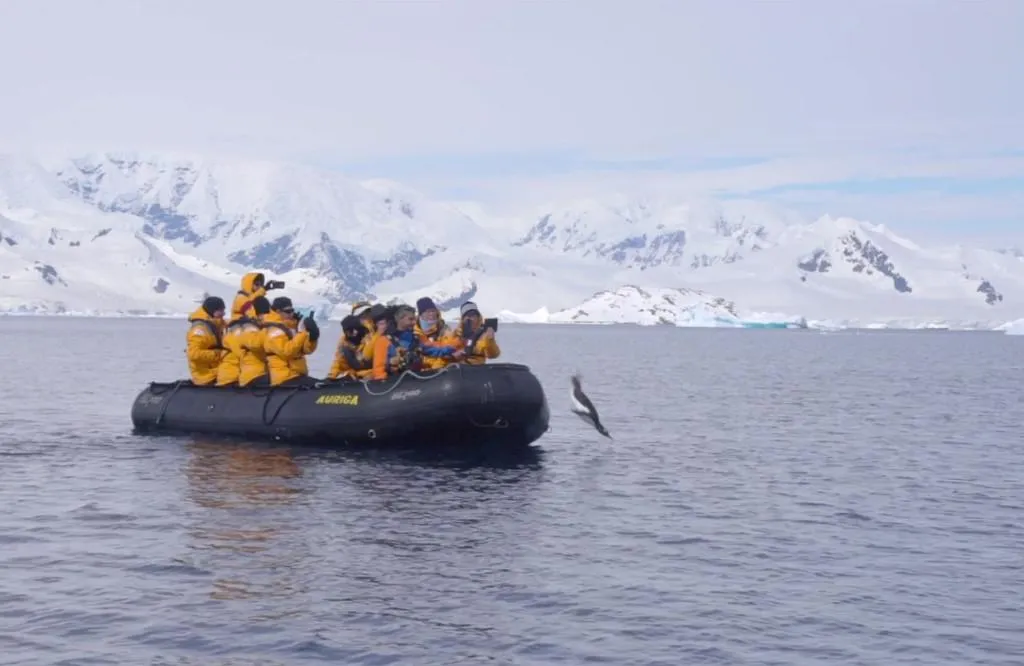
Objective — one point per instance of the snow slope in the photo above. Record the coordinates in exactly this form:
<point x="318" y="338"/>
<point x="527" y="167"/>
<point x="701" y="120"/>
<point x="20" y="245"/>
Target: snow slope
<point x="346" y="235"/>
<point x="1015" y="327"/>
<point x="645" y="232"/>
<point x="631" y="304"/>
<point x="514" y="280"/>
<point x="132" y="232"/>
<point x="58" y="255"/>
<point x="846" y="270"/>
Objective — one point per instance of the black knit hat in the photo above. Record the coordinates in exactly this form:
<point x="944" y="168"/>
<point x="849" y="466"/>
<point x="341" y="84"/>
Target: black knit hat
<point x="261" y="305"/>
<point x="424" y="304"/>
<point x="282" y="303"/>
<point x="213" y="303"/>
<point x="352" y="323"/>
<point x="379" y="311"/>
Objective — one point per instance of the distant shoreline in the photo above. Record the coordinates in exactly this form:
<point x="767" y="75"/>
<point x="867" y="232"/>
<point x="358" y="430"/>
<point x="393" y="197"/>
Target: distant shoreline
<point x="995" y="328"/>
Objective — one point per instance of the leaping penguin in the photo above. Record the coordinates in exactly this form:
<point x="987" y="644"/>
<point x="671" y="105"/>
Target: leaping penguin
<point x="583" y="408"/>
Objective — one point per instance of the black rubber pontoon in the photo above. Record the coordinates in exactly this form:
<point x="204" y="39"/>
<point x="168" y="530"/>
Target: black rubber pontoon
<point x="497" y="403"/>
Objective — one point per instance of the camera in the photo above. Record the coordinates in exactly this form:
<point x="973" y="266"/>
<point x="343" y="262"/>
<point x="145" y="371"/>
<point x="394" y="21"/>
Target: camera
<point x="275" y="284"/>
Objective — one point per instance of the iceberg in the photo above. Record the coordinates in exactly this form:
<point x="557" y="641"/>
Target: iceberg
<point x="539" y="316"/>
<point x="772" y="320"/>
<point x="319" y="312"/>
<point x="767" y="324"/>
<point x="1015" y="327"/>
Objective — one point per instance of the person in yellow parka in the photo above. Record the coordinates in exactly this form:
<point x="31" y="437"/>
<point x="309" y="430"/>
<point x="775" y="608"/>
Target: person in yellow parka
<point x="254" y="286"/>
<point x="204" y="348"/>
<point x="377" y="321"/>
<point x="477" y="342"/>
<point x="230" y="369"/>
<point x="287" y="342"/>
<point x="349" y="361"/>
<point x="398" y="348"/>
<point x="253" y="372"/>
<point x="433" y="331"/>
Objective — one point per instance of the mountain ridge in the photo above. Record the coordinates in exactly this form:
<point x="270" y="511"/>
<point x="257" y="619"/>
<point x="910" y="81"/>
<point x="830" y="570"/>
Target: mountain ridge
<point x="177" y="227"/>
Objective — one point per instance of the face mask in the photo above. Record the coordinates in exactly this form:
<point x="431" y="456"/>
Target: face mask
<point x="426" y="324"/>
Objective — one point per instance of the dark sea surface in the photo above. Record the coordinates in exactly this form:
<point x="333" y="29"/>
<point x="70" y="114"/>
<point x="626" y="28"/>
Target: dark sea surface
<point x="770" y="497"/>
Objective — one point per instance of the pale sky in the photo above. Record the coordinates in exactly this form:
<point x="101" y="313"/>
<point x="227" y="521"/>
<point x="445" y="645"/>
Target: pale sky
<point x="783" y="101"/>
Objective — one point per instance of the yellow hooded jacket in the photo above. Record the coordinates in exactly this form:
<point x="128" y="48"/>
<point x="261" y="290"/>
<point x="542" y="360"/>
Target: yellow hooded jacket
<point x="439" y="335"/>
<point x="254" y="361"/>
<point x="230" y="369"/>
<point x="204" y="348"/>
<point x="482" y="351"/>
<point x="286" y="349"/>
<point x="345" y="355"/>
<point x="242" y="305"/>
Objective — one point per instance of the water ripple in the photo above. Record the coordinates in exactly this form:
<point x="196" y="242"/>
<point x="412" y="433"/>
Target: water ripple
<point x="777" y="498"/>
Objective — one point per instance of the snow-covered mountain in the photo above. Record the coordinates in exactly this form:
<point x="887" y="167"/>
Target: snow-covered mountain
<point x="123" y="232"/>
<point x="344" y="236"/>
<point x="645" y="233"/>
<point x="59" y="254"/>
<point x="845" y="269"/>
<point x="660" y="306"/>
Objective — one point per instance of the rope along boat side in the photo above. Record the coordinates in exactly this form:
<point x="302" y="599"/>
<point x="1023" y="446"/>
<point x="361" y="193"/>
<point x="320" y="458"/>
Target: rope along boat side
<point x="501" y="403"/>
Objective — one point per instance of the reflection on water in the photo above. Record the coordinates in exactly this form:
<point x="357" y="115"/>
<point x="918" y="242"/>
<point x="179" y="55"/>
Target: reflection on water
<point x="742" y="515"/>
<point x="430" y="485"/>
<point x="223" y="475"/>
<point x="282" y="523"/>
<point x="433" y="456"/>
<point x="244" y="526"/>
<point x="288" y="531"/>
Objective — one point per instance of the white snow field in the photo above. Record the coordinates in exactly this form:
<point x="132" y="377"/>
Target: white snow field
<point x="134" y="234"/>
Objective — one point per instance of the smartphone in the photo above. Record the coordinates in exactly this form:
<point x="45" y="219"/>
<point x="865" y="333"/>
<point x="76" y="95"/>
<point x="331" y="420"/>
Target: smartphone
<point x="491" y="323"/>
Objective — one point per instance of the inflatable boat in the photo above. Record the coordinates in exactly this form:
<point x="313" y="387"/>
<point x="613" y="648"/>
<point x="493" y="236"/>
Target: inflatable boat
<point x="497" y="404"/>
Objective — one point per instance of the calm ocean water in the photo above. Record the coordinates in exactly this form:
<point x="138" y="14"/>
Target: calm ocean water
<point x="771" y="497"/>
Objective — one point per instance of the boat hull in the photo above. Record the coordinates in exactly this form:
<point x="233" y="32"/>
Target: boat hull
<point x="500" y="403"/>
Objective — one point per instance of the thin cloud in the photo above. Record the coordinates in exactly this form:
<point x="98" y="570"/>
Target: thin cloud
<point x="554" y="100"/>
<point x="365" y="80"/>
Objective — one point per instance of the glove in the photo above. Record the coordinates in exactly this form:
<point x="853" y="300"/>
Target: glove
<point x="312" y="329"/>
<point x="274" y="284"/>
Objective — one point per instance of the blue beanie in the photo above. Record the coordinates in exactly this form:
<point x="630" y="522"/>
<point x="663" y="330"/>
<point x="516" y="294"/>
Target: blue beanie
<point x="424" y="304"/>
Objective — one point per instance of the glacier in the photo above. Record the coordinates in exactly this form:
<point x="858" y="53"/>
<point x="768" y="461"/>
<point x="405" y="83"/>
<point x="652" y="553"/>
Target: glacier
<point x="1015" y="327"/>
<point x="682" y="307"/>
<point x="631" y="304"/>
<point x="121" y="233"/>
